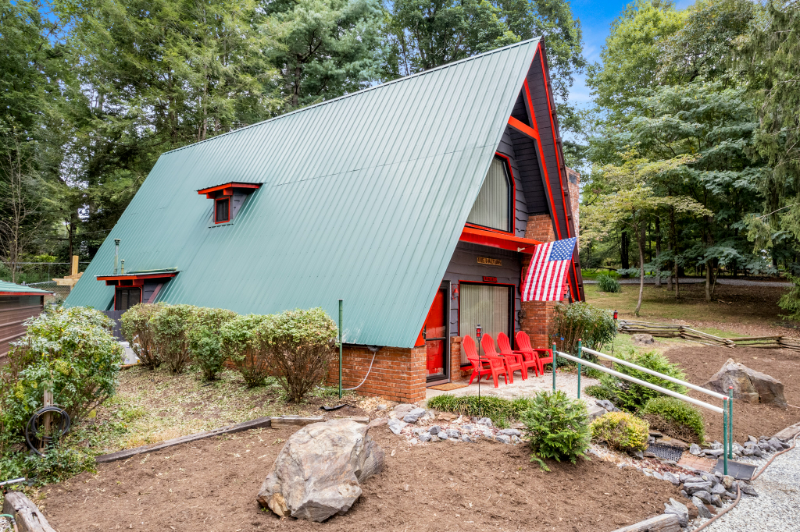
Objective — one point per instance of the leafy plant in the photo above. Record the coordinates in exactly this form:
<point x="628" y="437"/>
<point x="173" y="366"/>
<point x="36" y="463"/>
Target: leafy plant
<point x="205" y="343"/>
<point x="606" y="283"/>
<point x="244" y="347"/>
<point x="600" y="392"/>
<point x="675" y="418"/>
<point x="557" y="428"/>
<point x="136" y="327"/>
<point x="299" y="344"/>
<point x="495" y="408"/>
<point x="70" y="352"/>
<point x="581" y="321"/>
<point x="630" y="396"/>
<point x="621" y="431"/>
<point x="170" y="325"/>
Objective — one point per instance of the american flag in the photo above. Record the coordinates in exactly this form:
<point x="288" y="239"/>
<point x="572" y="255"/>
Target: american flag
<point x="548" y="271"/>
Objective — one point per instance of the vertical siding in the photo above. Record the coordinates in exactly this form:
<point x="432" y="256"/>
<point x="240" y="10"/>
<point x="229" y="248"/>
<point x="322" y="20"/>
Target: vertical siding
<point x="14" y="310"/>
<point x="506" y="147"/>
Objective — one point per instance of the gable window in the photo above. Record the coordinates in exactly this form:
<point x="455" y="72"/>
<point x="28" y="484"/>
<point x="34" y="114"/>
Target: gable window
<point x="493" y="208"/>
<point x="222" y="210"/>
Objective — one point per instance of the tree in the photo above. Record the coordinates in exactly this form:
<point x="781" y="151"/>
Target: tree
<point x="325" y="48"/>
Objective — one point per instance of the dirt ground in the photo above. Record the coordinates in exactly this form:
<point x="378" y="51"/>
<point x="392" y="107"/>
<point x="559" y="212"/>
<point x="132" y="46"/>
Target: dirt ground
<point x="701" y="362"/>
<point x="211" y="486"/>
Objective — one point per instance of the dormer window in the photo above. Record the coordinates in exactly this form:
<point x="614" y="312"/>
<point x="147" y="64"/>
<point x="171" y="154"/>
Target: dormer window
<point x="228" y="199"/>
<point x="494" y="207"/>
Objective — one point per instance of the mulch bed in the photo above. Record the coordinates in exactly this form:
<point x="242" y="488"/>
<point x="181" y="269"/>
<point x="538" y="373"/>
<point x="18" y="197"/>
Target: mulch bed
<point x="211" y="485"/>
<point x="701" y="362"/>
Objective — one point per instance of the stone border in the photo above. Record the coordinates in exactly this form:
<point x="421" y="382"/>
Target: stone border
<point x="262" y="422"/>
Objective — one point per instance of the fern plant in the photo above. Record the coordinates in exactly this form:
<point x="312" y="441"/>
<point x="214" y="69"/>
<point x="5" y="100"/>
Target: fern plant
<point x="557" y="428"/>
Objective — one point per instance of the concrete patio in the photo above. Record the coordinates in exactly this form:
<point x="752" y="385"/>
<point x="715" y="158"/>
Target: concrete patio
<point x="566" y="382"/>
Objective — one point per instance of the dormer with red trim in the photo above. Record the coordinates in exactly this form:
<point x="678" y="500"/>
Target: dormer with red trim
<point x="228" y="200"/>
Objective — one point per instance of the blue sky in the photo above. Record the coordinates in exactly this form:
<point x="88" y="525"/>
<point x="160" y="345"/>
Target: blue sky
<point x="596" y="18"/>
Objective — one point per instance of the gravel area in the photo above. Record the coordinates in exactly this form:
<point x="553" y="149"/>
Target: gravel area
<point x="775" y="508"/>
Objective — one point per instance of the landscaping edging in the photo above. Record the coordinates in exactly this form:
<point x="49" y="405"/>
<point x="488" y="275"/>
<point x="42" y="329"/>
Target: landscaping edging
<point x="659" y="523"/>
<point x="26" y="514"/>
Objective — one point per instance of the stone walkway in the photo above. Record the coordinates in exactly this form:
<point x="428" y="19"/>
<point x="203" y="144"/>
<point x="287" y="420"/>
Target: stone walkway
<point x="567" y="382"/>
<point x="776" y="507"/>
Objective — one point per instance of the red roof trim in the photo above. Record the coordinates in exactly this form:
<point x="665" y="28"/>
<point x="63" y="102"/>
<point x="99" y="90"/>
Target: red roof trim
<point x="136" y="277"/>
<point x="498" y="240"/>
<point x="232" y="184"/>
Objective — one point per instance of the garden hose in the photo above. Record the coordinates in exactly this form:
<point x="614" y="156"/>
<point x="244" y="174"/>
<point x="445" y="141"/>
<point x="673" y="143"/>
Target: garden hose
<point x="13" y="521"/>
<point x="739" y="490"/>
<point x="33" y="426"/>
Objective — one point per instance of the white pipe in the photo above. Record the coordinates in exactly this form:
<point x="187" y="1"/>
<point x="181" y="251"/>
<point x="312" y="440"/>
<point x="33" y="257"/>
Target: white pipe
<point x="617" y="374"/>
<point x="657" y="374"/>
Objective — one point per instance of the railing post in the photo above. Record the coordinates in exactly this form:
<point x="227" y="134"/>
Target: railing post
<point x="554" y="366"/>
<point x="725" y="436"/>
<point x="579" y="368"/>
<point x="730" y="422"/>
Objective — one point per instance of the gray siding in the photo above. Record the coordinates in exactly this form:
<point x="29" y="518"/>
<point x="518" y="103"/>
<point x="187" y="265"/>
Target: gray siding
<point x="506" y="148"/>
<point x="528" y="162"/>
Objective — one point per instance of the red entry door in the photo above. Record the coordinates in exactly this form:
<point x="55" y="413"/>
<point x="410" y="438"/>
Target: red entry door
<point x="435" y="334"/>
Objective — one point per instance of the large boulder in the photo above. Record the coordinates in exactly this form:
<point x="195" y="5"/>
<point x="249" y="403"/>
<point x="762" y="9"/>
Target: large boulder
<point x="318" y="472"/>
<point x="748" y="384"/>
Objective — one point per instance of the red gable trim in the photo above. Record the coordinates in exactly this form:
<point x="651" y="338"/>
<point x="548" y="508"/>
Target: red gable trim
<point x="496" y="239"/>
<point x="228" y="188"/>
<point x="137" y="276"/>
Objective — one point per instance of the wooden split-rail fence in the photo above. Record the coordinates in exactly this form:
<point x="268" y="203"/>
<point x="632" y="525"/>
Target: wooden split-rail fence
<point x="687" y="333"/>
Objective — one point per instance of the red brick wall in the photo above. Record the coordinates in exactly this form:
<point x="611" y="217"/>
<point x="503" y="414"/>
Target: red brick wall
<point x="397" y="374"/>
<point x="455" y="358"/>
<point x="536" y="316"/>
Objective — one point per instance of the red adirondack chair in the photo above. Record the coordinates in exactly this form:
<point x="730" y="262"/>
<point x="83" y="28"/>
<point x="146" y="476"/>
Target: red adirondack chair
<point x="524" y="347"/>
<point x="511" y="364"/>
<point x="495" y="368"/>
<point x="505" y="349"/>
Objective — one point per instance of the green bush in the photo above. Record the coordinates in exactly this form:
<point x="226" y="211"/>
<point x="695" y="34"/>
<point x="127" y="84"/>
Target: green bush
<point x="606" y="283"/>
<point x="244" y="347"/>
<point x="68" y="351"/>
<point x="631" y="397"/>
<point x="137" y="330"/>
<point x="205" y="343"/>
<point x="495" y="408"/>
<point x="600" y="392"/>
<point x="557" y="428"/>
<point x="621" y="431"/>
<point x="300" y="344"/>
<point x="581" y="321"/>
<point x="171" y="325"/>
<point x="675" y="418"/>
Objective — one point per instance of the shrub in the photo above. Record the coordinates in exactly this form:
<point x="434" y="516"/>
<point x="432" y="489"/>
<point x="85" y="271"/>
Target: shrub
<point x="68" y="351"/>
<point x="170" y="325"/>
<point x="495" y="408"/>
<point x="300" y="346"/>
<point x="631" y="397"/>
<point x="558" y="428"/>
<point x="243" y="347"/>
<point x="675" y="418"/>
<point x="621" y="431"/>
<point x="205" y="343"/>
<point x="606" y="283"/>
<point x="139" y="333"/>
<point x="594" y="326"/>
<point x="600" y="392"/>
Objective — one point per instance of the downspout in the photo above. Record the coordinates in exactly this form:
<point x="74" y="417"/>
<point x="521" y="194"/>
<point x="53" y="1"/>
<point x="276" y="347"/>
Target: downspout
<point x="116" y="254"/>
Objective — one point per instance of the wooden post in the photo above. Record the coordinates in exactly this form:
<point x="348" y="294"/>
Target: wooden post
<point x="48" y="400"/>
<point x="74" y="265"/>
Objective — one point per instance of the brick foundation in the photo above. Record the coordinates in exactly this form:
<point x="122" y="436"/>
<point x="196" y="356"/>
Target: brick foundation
<point x="397" y="374"/>
<point x="455" y="359"/>
<point x="536" y="316"/>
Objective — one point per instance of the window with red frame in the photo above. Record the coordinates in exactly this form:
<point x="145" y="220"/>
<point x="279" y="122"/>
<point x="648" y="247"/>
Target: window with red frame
<point x="493" y="208"/>
<point x="222" y="210"/>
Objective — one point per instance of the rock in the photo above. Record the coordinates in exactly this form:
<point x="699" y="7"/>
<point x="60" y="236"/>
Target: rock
<point x="718" y="489"/>
<point x="643" y="339"/>
<point x="747" y="489"/>
<point x="728" y="495"/>
<point x="683" y="477"/>
<point x="516" y="439"/>
<point x="748" y="452"/>
<point x="702" y="511"/>
<point x="764" y="446"/>
<point x="502" y="438"/>
<point x="749" y="385"/>
<point x="442" y="435"/>
<point x="380" y="407"/>
<point x="703" y="496"/>
<point x="716" y="500"/>
<point x="414" y="415"/>
<point x="510" y="432"/>
<point x="318" y="472"/>
<point x="596" y="411"/>
<point x="776" y="444"/>
<point x="671" y="477"/>
<point x="425" y="437"/>
<point x="467" y="428"/>
<point x="466" y="438"/>
<point x="485" y="421"/>
<point x="395" y="425"/>
<point x="434" y="430"/>
<point x="684" y="494"/>
<point x="679" y="509"/>
<point x="716" y="445"/>
<point x="727" y="481"/>
<point x="403" y="409"/>
<point x="714" y="452"/>
<point x="752" y="439"/>
<point x="453" y="433"/>
<point x="639" y="455"/>
<point x="757" y="451"/>
<point x="446" y="416"/>
<point x="737" y="449"/>
<point x="607" y="405"/>
<point x="658" y="475"/>
<point x="693" y="487"/>
<point x="648" y="454"/>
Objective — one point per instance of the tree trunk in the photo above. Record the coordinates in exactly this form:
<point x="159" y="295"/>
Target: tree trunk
<point x="674" y="237"/>
<point x="624" y="251"/>
<point x="641" y="270"/>
<point x="658" y="253"/>
<point x="708" y="280"/>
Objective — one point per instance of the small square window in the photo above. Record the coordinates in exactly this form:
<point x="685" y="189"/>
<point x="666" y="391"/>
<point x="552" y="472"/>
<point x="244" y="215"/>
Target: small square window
<point x="222" y="212"/>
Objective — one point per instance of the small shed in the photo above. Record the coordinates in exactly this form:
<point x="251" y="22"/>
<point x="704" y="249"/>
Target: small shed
<point x="17" y="304"/>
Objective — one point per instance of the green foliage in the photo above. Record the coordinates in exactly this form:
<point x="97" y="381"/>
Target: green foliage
<point x="790" y="301"/>
<point x="675" y="418"/>
<point x="205" y="343"/>
<point x="630" y="396"/>
<point x="581" y="321"/>
<point x="68" y="351"/>
<point x="243" y="346"/>
<point x="557" y="428"/>
<point x="606" y="283"/>
<point x="600" y="392"/>
<point x="621" y="431"/>
<point x="171" y="324"/>
<point x="136" y="327"/>
<point x="495" y="408"/>
<point x="299" y="345"/>
<point x="59" y="463"/>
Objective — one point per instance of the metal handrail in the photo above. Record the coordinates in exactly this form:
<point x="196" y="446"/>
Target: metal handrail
<point x="655" y="374"/>
<point x="640" y="382"/>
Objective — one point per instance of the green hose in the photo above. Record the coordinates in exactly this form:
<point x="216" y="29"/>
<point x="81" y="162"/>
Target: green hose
<point x="13" y="521"/>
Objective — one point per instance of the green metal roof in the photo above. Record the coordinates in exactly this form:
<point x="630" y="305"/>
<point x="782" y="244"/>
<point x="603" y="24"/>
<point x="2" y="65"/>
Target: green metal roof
<point x="6" y="287"/>
<point x="363" y="199"/>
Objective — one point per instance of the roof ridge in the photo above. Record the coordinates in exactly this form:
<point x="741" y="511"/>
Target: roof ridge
<point x="350" y="95"/>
